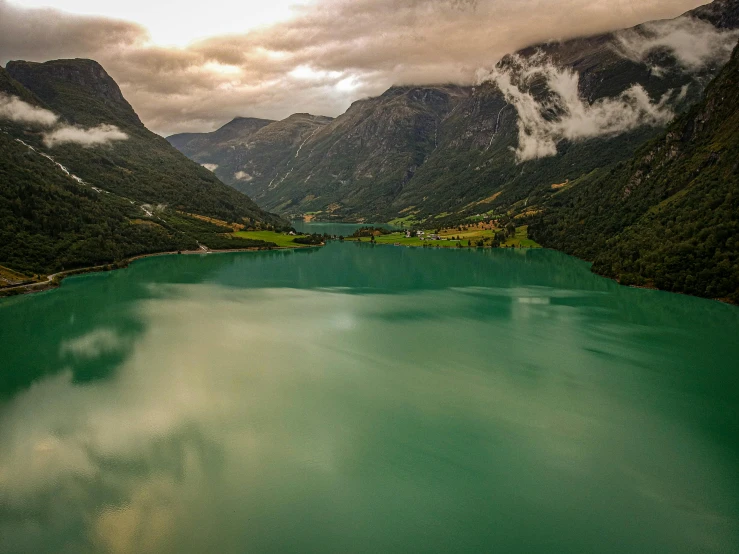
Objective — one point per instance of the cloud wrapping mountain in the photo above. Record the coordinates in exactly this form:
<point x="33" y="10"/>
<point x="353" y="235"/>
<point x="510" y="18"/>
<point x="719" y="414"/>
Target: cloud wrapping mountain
<point x="546" y="119"/>
<point x="310" y="61"/>
<point x="694" y="43"/>
<point x="93" y="136"/>
<point x="15" y="109"/>
<point x="242" y="176"/>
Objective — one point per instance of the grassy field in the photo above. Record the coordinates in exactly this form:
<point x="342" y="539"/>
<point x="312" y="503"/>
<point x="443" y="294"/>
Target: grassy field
<point x="280" y="239"/>
<point x="449" y="238"/>
<point x="392" y="238"/>
<point x="406" y="221"/>
<point x="8" y="277"/>
<point x="522" y="238"/>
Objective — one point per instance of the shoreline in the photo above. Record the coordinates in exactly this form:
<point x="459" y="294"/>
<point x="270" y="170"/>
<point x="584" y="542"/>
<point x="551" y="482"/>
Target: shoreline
<point x="54" y="280"/>
<point x="540" y="247"/>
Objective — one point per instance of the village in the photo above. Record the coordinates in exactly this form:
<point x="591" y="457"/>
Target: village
<point x="489" y="234"/>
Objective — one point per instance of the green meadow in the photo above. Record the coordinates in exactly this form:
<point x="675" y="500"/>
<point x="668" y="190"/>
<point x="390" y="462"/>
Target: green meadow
<point x="280" y="239"/>
<point x="449" y="240"/>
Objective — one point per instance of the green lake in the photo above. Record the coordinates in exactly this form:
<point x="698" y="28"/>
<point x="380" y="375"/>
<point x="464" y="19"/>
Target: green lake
<point x="370" y="399"/>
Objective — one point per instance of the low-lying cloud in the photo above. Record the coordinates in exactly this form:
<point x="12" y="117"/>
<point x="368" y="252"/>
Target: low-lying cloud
<point x="93" y="136"/>
<point x="694" y="43"/>
<point x="15" y="109"/>
<point x="563" y="114"/>
<point x="330" y="53"/>
<point x="242" y="176"/>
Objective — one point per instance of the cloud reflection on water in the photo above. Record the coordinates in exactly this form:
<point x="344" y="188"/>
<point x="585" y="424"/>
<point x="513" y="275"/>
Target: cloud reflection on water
<point x="250" y="419"/>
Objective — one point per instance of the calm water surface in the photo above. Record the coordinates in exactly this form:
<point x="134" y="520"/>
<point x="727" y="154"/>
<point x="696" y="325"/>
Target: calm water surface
<point x="367" y="399"/>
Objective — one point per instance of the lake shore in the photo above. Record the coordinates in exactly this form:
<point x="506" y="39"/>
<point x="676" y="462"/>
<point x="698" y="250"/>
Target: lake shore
<point x="54" y="280"/>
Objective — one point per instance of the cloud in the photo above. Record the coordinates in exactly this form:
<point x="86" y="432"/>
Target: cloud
<point x="93" y="345"/>
<point x="242" y="176"/>
<point x="42" y="34"/>
<point x="562" y="114"/>
<point x="15" y="109"/>
<point x="94" y="136"/>
<point x="694" y="43"/>
<point x="305" y="63"/>
<point x="210" y="167"/>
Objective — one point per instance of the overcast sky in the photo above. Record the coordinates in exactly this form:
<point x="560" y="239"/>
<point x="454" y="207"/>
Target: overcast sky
<point x="196" y="66"/>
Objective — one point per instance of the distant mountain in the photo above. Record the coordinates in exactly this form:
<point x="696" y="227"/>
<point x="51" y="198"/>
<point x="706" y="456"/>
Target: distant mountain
<point x="248" y="153"/>
<point x="207" y="144"/>
<point x="82" y="181"/>
<point x="669" y="218"/>
<point x="453" y="151"/>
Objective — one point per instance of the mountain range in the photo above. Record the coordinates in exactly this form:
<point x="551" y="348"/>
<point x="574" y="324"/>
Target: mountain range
<point x="548" y="114"/>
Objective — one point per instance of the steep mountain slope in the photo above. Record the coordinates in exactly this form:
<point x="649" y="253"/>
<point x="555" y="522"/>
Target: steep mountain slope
<point x="670" y="217"/>
<point x="720" y="13"/>
<point x="248" y="153"/>
<point x="83" y="182"/>
<point x="144" y="167"/>
<point x="205" y="145"/>
<point x="362" y="160"/>
<point x="421" y="151"/>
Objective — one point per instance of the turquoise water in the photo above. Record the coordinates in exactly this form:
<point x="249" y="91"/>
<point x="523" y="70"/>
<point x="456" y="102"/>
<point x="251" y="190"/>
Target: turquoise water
<point x="360" y="398"/>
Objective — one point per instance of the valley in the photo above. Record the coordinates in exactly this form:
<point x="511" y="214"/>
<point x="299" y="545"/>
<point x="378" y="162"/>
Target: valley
<point x="450" y="276"/>
<point x="606" y="147"/>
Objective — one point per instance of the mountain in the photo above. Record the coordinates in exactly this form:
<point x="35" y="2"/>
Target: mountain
<point x="669" y="218"/>
<point x="84" y="182"/>
<point x="247" y="152"/>
<point x="416" y="152"/>
<point x="83" y="94"/>
<point x="239" y="129"/>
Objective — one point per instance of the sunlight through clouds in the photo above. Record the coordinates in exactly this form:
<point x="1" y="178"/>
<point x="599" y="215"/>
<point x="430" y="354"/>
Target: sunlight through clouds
<point x="190" y="21"/>
<point x="195" y="67"/>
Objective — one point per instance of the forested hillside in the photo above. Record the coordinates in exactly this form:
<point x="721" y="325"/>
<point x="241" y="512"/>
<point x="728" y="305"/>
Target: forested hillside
<point x="83" y="182"/>
<point x="670" y="217"/>
<point x="144" y="166"/>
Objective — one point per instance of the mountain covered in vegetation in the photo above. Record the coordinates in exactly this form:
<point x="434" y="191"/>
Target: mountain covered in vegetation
<point x="668" y="218"/>
<point x="549" y="114"/>
<point x="248" y="153"/>
<point x="83" y="182"/>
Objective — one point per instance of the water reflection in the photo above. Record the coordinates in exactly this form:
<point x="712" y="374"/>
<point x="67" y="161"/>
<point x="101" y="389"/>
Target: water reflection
<point x="366" y="399"/>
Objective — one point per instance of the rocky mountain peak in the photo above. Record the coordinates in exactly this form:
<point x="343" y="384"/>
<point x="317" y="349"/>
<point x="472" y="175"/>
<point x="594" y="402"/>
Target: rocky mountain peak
<point x="723" y="14"/>
<point x="68" y="86"/>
